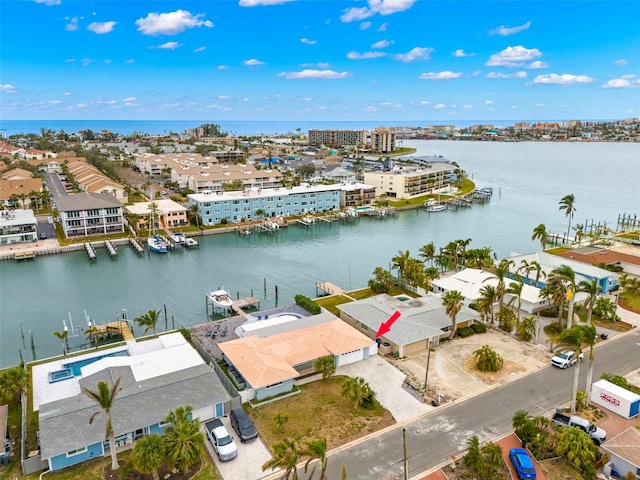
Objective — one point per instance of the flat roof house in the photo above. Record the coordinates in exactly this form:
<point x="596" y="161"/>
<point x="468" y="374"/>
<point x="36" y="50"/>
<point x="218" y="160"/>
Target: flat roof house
<point x="157" y="376"/>
<point x="17" y="226"/>
<point x="421" y="319"/>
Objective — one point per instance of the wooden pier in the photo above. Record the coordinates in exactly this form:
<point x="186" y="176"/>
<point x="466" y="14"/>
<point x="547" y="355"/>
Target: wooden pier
<point x="239" y="305"/>
<point x="25" y="255"/>
<point x="91" y="253"/>
<point x="328" y="288"/>
<point x="110" y="248"/>
<point x="138" y="248"/>
<point x="120" y="327"/>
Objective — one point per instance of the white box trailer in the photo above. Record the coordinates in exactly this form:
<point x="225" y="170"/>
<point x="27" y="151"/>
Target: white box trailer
<point x="617" y="399"/>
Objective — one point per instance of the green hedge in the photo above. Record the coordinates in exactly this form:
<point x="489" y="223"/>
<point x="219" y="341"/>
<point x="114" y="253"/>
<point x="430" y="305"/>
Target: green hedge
<point x="465" y="332"/>
<point x="479" y="328"/>
<point x="308" y="304"/>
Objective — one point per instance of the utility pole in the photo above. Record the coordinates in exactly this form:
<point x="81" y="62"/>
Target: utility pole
<point x="426" y="375"/>
<point x="404" y="447"/>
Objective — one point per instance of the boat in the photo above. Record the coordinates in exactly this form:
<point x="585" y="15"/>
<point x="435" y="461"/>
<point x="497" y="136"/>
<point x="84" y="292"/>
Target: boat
<point x="221" y="299"/>
<point x="156" y="244"/>
<point x="190" y="242"/>
<point x="177" y="237"/>
<point x="432" y="206"/>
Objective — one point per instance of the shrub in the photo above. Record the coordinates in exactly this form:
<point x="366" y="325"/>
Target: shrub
<point x="553" y="328"/>
<point x="308" y="304"/>
<point x="488" y="360"/>
<point x="473" y="306"/>
<point x="526" y="329"/>
<point x="479" y="328"/>
<point x="465" y="332"/>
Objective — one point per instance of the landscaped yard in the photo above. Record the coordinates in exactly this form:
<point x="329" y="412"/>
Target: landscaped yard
<point x="319" y="411"/>
<point x="559" y="469"/>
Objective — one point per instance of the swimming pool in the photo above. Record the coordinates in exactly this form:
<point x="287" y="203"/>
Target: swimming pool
<point x="403" y="298"/>
<point x="365" y="208"/>
<point x="285" y="317"/>
<point x="73" y="369"/>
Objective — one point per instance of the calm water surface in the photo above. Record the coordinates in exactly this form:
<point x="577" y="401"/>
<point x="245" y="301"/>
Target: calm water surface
<point x="532" y="178"/>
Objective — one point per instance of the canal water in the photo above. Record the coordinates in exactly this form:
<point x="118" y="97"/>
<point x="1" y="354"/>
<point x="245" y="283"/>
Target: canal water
<point x="529" y="179"/>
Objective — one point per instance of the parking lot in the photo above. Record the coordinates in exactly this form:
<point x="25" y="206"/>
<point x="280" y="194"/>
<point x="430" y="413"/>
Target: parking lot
<point x="248" y="463"/>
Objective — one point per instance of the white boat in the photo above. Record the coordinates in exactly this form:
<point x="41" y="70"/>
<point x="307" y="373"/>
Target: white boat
<point x="190" y="242"/>
<point x="432" y="206"/>
<point x="156" y="244"/>
<point x="177" y="237"/>
<point x="221" y="299"/>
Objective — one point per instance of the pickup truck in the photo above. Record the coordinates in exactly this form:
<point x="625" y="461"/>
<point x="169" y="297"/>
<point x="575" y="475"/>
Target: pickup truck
<point x="566" y="359"/>
<point x="597" y="434"/>
<point x="222" y="442"/>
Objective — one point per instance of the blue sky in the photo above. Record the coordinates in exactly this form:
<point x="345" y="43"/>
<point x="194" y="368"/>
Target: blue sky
<point x="412" y="60"/>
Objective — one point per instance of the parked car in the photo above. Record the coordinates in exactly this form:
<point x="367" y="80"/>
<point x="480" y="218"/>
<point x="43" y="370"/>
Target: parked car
<point x="566" y="359"/>
<point x="522" y="463"/>
<point x="597" y="434"/>
<point x="243" y="425"/>
<point x="222" y="442"/>
<point x="43" y="236"/>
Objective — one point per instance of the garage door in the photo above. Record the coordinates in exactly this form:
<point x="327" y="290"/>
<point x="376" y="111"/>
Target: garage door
<point x="350" y="357"/>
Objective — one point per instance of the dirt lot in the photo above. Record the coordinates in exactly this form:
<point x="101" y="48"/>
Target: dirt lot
<point x="451" y="368"/>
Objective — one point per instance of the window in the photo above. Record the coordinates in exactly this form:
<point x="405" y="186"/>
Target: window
<point x="273" y="385"/>
<point x="77" y="451"/>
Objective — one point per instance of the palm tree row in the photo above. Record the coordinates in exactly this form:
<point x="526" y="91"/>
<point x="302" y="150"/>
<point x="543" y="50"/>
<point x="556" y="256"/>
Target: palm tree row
<point x="287" y="453"/>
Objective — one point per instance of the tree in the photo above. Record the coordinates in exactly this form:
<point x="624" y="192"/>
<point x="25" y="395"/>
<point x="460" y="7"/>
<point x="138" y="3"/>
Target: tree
<point x="326" y="366"/>
<point x="184" y="442"/>
<point x="591" y="289"/>
<point x="281" y="420"/>
<point x="488" y="360"/>
<point x="428" y="252"/>
<point x="567" y="276"/>
<point x="606" y="309"/>
<point x="515" y="289"/>
<point x="148" y="454"/>
<point x="62" y="336"/>
<point x="572" y="339"/>
<point x="473" y="459"/>
<point x="382" y="281"/>
<point x="590" y="337"/>
<point x="359" y="391"/>
<point x="488" y="298"/>
<point x="316" y="449"/>
<point x="540" y="233"/>
<point x="93" y="334"/>
<point x="400" y="262"/>
<point x="148" y="320"/>
<point x="105" y="397"/>
<point x="194" y="211"/>
<point x="285" y="456"/>
<point x="452" y="301"/>
<point x="568" y="205"/>
<point x="524" y="426"/>
<point x="577" y="446"/>
<point x="13" y="382"/>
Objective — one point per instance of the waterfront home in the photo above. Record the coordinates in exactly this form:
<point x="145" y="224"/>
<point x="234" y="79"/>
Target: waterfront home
<point x="421" y="320"/>
<point x="408" y="182"/>
<point x="17" y="226"/>
<point x="470" y="281"/>
<point x="85" y="214"/>
<point x="169" y="214"/>
<point x="17" y="187"/>
<point x="624" y="454"/>
<point x="584" y="271"/>
<point x="605" y="256"/>
<point x="268" y="359"/>
<point x="156" y="375"/>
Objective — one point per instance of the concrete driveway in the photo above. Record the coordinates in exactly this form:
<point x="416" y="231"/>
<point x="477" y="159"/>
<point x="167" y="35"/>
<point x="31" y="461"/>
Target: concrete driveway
<point x="386" y="381"/>
<point x="248" y="463"/>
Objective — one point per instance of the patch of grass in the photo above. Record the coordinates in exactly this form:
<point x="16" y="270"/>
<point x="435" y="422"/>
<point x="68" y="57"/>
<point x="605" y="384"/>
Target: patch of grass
<point x="560" y="469"/>
<point x="331" y="303"/>
<point x="557" y="250"/>
<point x="630" y="301"/>
<point x="320" y="411"/>
<point x="608" y="324"/>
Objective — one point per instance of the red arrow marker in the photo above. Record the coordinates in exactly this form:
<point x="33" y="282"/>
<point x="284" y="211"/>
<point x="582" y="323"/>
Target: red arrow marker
<point x="386" y="326"/>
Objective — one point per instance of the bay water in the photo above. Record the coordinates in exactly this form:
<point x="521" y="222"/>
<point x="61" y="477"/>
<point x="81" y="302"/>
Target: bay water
<point x="529" y="179"/>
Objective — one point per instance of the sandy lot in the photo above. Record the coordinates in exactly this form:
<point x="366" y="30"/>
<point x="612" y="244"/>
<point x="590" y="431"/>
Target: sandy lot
<point x="451" y="367"/>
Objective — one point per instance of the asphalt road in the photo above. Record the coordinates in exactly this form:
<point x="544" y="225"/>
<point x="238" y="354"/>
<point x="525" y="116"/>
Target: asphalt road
<point x="433" y="438"/>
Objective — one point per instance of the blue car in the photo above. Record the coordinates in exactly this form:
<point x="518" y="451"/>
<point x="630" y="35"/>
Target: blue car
<point x="522" y="463"/>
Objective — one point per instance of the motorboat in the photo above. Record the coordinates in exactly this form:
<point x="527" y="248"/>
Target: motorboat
<point x="157" y="244"/>
<point x="177" y="237"/>
<point x="221" y="299"/>
<point x="190" y="242"/>
<point x="432" y="206"/>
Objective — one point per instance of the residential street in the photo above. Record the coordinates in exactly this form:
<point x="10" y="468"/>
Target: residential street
<point x="433" y="438"/>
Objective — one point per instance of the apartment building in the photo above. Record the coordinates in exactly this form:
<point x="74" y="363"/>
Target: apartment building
<point x="169" y="214"/>
<point x="17" y="226"/>
<point x="85" y="214"/>
<point x="337" y="138"/>
<point x="383" y="141"/>
<point x="215" y="177"/>
<point x="410" y="182"/>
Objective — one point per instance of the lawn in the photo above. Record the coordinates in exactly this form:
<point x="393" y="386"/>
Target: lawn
<point x="559" y="469"/>
<point x="630" y="301"/>
<point x="330" y="303"/>
<point x="319" y="411"/>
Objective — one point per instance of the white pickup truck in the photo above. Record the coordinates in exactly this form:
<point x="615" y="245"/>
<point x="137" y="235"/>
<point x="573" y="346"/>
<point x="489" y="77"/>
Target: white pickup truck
<point x="566" y="359"/>
<point x="598" y="435"/>
<point x="222" y="442"/>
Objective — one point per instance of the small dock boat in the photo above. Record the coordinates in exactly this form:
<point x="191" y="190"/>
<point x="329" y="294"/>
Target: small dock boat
<point x="157" y="245"/>
<point x="177" y="237"/>
<point x="432" y="206"/>
<point x="190" y="242"/>
<point x="220" y="299"/>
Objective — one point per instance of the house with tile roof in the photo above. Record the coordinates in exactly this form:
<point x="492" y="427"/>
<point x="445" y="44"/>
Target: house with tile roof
<point x="169" y="214"/>
<point x="156" y="376"/>
<point x="422" y="320"/>
<point x="624" y="453"/>
<point x="268" y="363"/>
<point x="610" y="257"/>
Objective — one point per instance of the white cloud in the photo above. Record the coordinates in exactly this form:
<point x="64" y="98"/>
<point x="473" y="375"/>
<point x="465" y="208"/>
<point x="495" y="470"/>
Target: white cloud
<point x="107" y="61"/>
<point x="260" y="3"/>
<point x="225" y="97"/>
<point x="7" y="88"/>
<point x="622" y="61"/>
<point x="538" y="64"/>
<point x="383" y="44"/>
<point x="513" y="57"/>
<point x="365" y="25"/>
<point x="304" y="99"/>
<point x="252" y="62"/>
<point x="70" y="60"/>
<point x="49" y="3"/>
<point x="425" y="102"/>
<point x="101" y="27"/>
<point x="505" y="31"/>
<point x="461" y="53"/>
<point x="488" y="102"/>
<point x="315" y="74"/>
<point x="467" y="107"/>
<point x="416" y="53"/>
<point x="564" y="79"/>
<point x="383" y="27"/>
<point x="308" y="41"/>
<point x="199" y="49"/>
<point x="87" y="61"/>
<point x="382" y="7"/>
<point x="170" y="23"/>
<point x="446" y="75"/>
<point x="624" y="82"/>
<point x="222" y="67"/>
<point x="539" y="105"/>
<point x="507" y="75"/>
<point x="365" y="55"/>
<point x="439" y="105"/>
<point x="167" y="46"/>
<point x="67" y="94"/>
<point x="72" y="26"/>
<point x="129" y="99"/>
<point x="129" y="61"/>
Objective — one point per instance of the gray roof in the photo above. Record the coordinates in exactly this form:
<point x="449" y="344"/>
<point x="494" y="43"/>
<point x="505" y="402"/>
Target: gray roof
<point x="64" y="424"/>
<point x="420" y="318"/>
<point x="86" y="201"/>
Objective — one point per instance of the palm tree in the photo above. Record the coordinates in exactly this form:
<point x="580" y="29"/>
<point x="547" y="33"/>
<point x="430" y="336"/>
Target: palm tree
<point x="316" y="449"/>
<point x="488" y="298"/>
<point x="591" y="289"/>
<point x="590" y="337"/>
<point x="567" y="204"/>
<point x="577" y="446"/>
<point x="540" y="233"/>
<point x="488" y="360"/>
<point x="515" y="289"/>
<point x="538" y="269"/>
<point x="473" y="458"/>
<point x="572" y="339"/>
<point x="452" y="302"/>
<point x="148" y="454"/>
<point x="13" y="382"/>
<point x="184" y="441"/>
<point x="567" y="276"/>
<point x="194" y="210"/>
<point x="501" y="271"/>
<point x="148" y="320"/>
<point x="579" y="229"/>
<point x="62" y="336"/>
<point x="106" y="397"/>
<point x="326" y="366"/>
<point x="285" y="456"/>
<point x="400" y="262"/>
<point x="93" y="334"/>
<point x="358" y="390"/>
<point x="428" y="252"/>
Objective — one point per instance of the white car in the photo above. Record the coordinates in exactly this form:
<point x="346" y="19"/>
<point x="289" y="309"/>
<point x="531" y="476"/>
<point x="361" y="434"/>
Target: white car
<point x="221" y="440"/>
<point x="566" y="359"/>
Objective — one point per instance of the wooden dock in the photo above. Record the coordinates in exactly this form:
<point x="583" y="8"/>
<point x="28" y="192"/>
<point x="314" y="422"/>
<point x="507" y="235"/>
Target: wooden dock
<point x="25" y="255"/>
<point x="138" y="248"/>
<point x="117" y="328"/>
<point x="91" y="253"/>
<point x="110" y="248"/>
<point x="328" y="288"/>
<point x="239" y="305"/>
